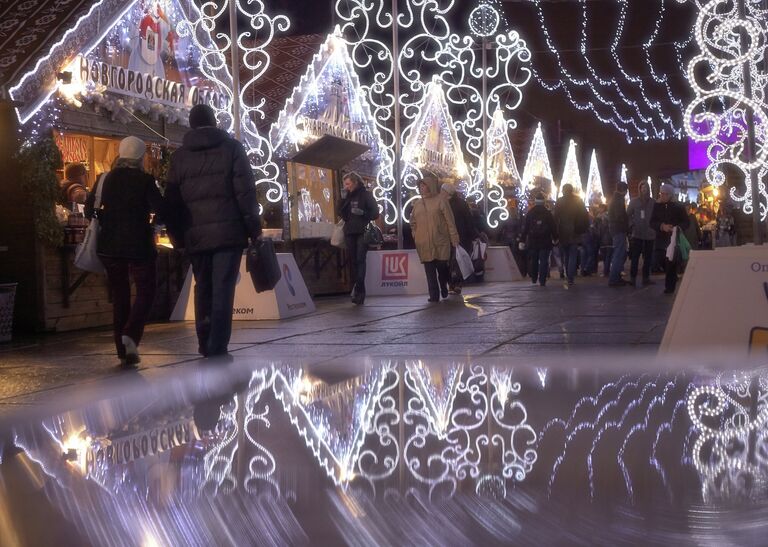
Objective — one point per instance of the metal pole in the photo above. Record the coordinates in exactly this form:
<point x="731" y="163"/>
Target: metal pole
<point x="485" y="130"/>
<point x="750" y="149"/>
<point x="235" y="67"/>
<point x="396" y="114"/>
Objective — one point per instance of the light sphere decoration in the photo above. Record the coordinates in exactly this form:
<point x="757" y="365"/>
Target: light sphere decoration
<point x="484" y="20"/>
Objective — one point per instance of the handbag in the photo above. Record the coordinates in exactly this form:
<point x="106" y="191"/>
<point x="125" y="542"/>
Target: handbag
<point x="683" y="245"/>
<point x="373" y="236"/>
<point x="86" y="257"/>
<point x="337" y="237"/>
<point x="261" y="263"/>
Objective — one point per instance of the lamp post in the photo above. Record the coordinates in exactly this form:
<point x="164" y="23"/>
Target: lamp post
<point x="234" y="51"/>
<point x="396" y="114"/>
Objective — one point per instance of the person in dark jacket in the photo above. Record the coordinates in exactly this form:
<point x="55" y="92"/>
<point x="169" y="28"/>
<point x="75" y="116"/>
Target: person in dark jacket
<point x="539" y="233"/>
<point x="619" y="226"/>
<point x="572" y="221"/>
<point x="126" y="243"/>
<point x="604" y="238"/>
<point x="465" y="225"/>
<point x="357" y="208"/>
<point x="212" y="192"/>
<point x="668" y="215"/>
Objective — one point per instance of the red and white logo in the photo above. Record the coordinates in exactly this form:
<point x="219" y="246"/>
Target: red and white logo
<point x="394" y="266"/>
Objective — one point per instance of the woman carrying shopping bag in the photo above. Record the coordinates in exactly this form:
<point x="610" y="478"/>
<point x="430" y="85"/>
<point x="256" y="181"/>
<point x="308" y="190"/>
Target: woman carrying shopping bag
<point x="126" y="243"/>
<point x="434" y="232"/>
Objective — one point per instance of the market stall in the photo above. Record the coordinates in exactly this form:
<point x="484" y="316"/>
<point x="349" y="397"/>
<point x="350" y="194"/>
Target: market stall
<point x="118" y="69"/>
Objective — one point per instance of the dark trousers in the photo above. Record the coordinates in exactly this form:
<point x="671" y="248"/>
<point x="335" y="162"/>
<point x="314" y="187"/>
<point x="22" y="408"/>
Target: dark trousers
<point x="607" y="258"/>
<point x="215" y="280"/>
<point x="570" y="254"/>
<point x="639" y="247"/>
<point x="437" y="277"/>
<point x="670" y="277"/>
<point x="357" y="251"/>
<point x="539" y="265"/>
<point x="129" y="320"/>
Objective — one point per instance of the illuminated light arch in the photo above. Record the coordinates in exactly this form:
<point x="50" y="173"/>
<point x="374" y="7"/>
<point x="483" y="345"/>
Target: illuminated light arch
<point x="537" y="165"/>
<point x="328" y="100"/>
<point x="594" y="192"/>
<point x="571" y="174"/>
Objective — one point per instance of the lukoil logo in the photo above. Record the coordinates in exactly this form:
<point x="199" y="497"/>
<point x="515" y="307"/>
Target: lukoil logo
<point x="394" y="266"/>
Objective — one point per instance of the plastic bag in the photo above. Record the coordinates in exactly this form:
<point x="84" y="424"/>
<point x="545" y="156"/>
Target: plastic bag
<point x="465" y="262"/>
<point x="337" y="238"/>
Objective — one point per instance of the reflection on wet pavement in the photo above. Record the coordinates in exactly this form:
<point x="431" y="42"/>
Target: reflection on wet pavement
<point x="398" y="452"/>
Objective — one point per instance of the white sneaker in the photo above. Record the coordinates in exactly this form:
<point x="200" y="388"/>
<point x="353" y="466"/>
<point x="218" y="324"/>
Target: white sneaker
<point x="131" y="351"/>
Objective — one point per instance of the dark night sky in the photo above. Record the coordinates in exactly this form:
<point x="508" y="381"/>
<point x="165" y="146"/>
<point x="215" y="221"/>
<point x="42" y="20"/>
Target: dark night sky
<point x="561" y="120"/>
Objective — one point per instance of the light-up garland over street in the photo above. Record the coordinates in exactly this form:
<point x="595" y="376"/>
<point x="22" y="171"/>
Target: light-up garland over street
<point x="718" y="113"/>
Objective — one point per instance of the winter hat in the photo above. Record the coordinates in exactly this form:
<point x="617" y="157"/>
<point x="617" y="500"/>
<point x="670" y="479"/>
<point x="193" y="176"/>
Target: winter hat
<point x="538" y="199"/>
<point x="448" y="188"/>
<point x="132" y="148"/>
<point x="622" y="187"/>
<point x="202" y="115"/>
<point x="667" y="189"/>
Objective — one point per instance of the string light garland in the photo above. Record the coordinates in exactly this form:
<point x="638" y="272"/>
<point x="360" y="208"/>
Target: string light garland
<point x="624" y="179"/>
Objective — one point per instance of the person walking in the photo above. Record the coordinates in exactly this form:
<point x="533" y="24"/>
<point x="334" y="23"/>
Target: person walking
<point x="434" y="232"/>
<point x="572" y="222"/>
<point x="539" y="233"/>
<point x="465" y="226"/>
<point x="668" y="215"/>
<point x="604" y="238"/>
<point x="619" y="226"/>
<point x="211" y="188"/>
<point x="126" y="243"/>
<point x="357" y="208"/>
<point x="643" y="237"/>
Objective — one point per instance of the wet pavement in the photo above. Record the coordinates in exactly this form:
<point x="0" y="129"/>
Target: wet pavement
<point x="494" y="320"/>
<point x="512" y="416"/>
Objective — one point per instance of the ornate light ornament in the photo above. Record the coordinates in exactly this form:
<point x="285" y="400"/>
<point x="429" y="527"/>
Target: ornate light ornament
<point x="537" y="172"/>
<point x="571" y="174"/>
<point x="594" y="192"/>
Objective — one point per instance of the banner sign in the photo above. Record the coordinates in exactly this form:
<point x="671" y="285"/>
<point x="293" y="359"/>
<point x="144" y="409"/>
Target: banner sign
<point x="394" y="272"/>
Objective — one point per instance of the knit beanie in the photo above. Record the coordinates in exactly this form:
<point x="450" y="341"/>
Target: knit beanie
<point x="132" y="148"/>
<point x="448" y="188"/>
<point x="202" y="115"/>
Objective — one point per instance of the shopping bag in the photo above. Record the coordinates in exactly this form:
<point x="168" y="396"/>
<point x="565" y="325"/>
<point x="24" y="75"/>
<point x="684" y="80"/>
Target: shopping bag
<point x="465" y="262"/>
<point x="261" y="263"/>
<point x="683" y="245"/>
<point x="86" y="257"/>
<point x="455" y="276"/>
<point x="373" y="236"/>
<point x="670" y="253"/>
<point x="337" y="237"/>
<point x="478" y="257"/>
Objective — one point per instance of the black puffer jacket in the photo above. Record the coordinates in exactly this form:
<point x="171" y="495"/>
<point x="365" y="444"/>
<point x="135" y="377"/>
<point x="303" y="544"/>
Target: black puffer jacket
<point x="211" y="193"/>
<point x="672" y="213"/>
<point x="617" y="215"/>
<point x="465" y="223"/>
<point x="357" y="210"/>
<point x="128" y="197"/>
<point x="539" y="229"/>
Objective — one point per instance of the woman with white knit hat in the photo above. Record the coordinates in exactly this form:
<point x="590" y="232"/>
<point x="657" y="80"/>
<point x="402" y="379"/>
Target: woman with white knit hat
<point x="126" y="243"/>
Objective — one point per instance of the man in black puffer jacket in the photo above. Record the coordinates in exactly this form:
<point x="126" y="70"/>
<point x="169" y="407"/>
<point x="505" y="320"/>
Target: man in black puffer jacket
<point x="212" y="194"/>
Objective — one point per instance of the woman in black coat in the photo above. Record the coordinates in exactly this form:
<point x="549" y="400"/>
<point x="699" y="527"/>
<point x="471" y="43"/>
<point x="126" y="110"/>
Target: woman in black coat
<point x="357" y="209"/>
<point x="126" y="243"/>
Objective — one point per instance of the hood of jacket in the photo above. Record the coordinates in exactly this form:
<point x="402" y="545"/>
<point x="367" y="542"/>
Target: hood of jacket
<point x="434" y="187"/>
<point x="204" y="138"/>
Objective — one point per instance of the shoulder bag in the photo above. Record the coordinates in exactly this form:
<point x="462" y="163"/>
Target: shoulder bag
<point x="86" y="257"/>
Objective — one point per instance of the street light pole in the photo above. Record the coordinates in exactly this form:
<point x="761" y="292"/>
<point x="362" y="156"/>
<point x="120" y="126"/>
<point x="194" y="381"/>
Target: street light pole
<point x="235" y="67"/>
<point x="485" y="129"/>
<point x="750" y="148"/>
<point x="396" y="114"/>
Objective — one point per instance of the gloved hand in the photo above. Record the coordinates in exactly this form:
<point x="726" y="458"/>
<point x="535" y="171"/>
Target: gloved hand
<point x="521" y="246"/>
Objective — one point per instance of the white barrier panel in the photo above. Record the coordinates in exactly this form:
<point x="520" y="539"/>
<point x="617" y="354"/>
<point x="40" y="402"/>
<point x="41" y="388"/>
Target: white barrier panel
<point x="289" y="298"/>
<point x="722" y="302"/>
<point x="500" y="265"/>
<point x="394" y="273"/>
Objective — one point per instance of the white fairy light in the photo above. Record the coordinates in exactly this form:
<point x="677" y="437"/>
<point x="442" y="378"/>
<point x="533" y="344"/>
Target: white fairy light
<point x="537" y="165"/>
<point x="625" y="181"/>
<point x="718" y="32"/>
<point x="484" y="19"/>
<point x="571" y="174"/>
<point x="594" y="192"/>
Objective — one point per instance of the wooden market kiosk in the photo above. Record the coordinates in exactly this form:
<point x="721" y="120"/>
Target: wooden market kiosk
<point x="325" y="130"/>
<point x="97" y="76"/>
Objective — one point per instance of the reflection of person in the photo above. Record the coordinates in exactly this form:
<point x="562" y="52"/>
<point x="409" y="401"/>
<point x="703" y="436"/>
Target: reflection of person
<point x="357" y="208"/>
<point x="668" y="215"/>
<point x="211" y="186"/>
<point x="434" y="232"/>
<point x="73" y="187"/>
<point x="126" y="243"/>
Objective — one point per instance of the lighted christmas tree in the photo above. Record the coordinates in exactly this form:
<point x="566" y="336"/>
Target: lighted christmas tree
<point x="594" y="192"/>
<point x="537" y="172"/>
<point x="501" y="161"/>
<point x="571" y="174"/>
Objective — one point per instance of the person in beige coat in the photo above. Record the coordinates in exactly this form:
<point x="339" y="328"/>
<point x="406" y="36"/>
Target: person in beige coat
<point x="434" y="232"/>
